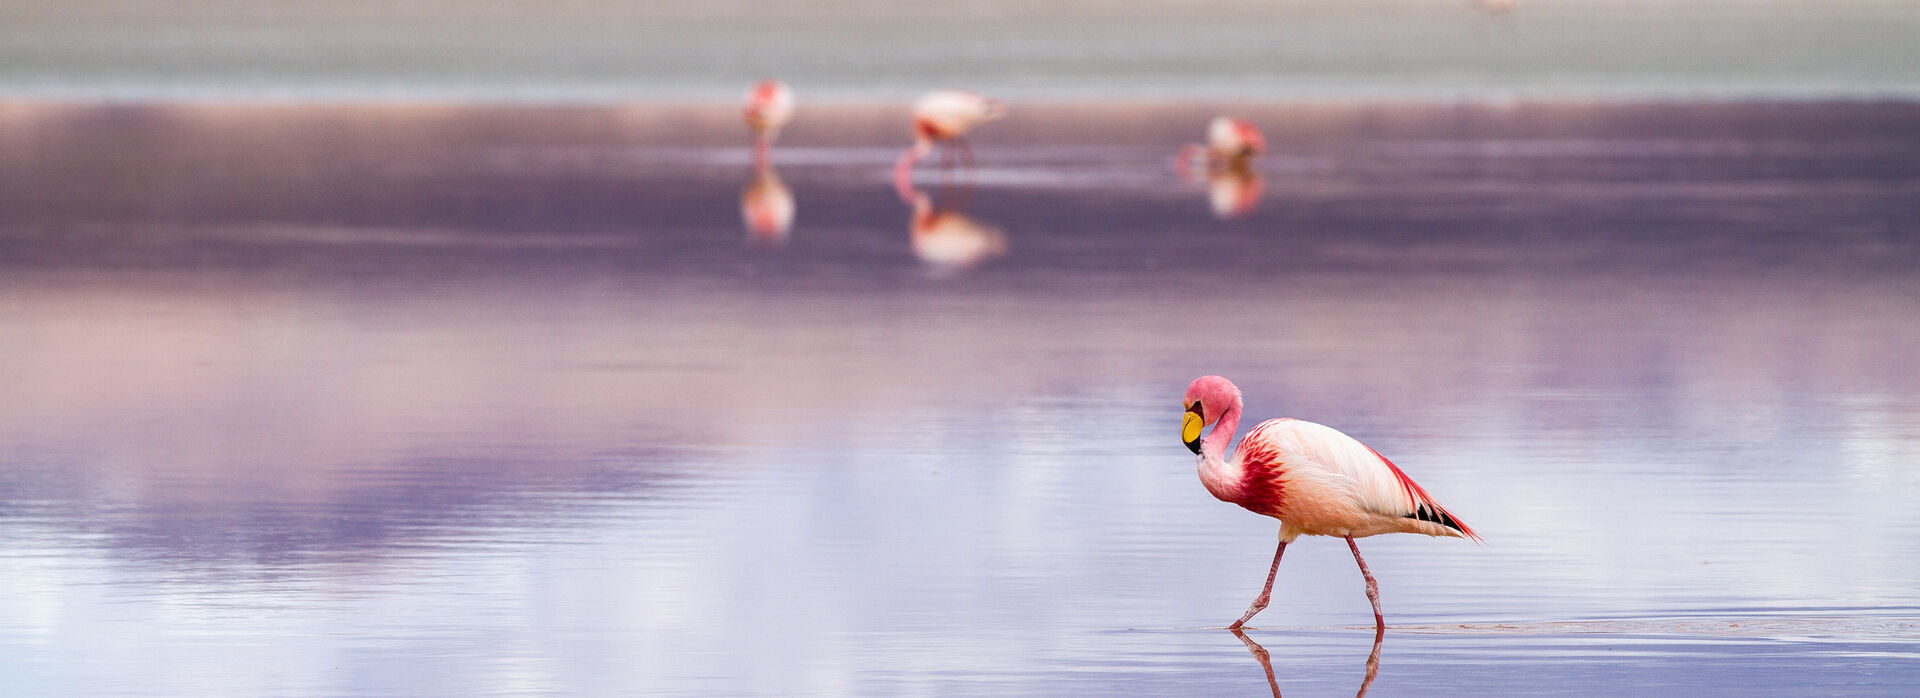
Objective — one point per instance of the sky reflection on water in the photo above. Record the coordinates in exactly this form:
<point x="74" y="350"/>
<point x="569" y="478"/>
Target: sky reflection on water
<point x="492" y="409"/>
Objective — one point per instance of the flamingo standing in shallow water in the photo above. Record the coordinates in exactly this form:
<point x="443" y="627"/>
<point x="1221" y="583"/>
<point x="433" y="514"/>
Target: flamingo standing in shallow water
<point x="1314" y="479"/>
<point x="769" y="108"/>
<point x="1232" y="144"/>
<point x="944" y="116"/>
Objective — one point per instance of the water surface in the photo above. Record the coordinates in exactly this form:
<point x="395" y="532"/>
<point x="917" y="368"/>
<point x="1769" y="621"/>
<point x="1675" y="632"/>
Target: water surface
<point x="316" y="401"/>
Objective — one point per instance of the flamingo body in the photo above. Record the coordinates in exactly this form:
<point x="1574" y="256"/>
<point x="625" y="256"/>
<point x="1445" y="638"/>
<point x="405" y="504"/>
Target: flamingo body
<point x="1231" y="145"/>
<point x="1230" y="139"/>
<point x="948" y="114"/>
<point x="769" y="108"/>
<point x="1313" y="478"/>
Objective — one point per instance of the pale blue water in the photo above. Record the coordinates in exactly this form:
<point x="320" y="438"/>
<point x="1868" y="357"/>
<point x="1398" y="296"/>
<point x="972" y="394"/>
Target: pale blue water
<point x="427" y="401"/>
<point x="600" y="50"/>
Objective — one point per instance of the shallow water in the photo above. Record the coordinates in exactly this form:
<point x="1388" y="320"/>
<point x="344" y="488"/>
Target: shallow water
<point x="465" y="401"/>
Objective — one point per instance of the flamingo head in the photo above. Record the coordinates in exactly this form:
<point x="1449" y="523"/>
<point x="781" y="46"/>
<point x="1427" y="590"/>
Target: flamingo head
<point x="1207" y="399"/>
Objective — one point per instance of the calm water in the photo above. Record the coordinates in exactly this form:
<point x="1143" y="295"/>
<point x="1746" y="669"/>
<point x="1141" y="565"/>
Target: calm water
<point x="507" y="401"/>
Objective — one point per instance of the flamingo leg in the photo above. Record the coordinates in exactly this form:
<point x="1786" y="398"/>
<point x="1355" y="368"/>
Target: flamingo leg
<point x="1373" y="588"/>
<point x="762" y="150"/>
<point x="1260" y="602"/>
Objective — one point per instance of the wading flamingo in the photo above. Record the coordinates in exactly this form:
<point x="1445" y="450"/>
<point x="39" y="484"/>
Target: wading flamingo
<point x="944" y="116"/>
<point x="769" y="108"/>
<point x="1232" y="144"/>
<point x="1314" y="479"/>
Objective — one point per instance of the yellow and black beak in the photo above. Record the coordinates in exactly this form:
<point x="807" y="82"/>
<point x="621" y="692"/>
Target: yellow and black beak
<point x="1190" y="427"/>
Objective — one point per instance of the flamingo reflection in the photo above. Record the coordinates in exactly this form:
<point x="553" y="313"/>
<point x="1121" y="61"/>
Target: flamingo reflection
<point x="948" y="241"/>
<point x="1234" y="192"/>
<point x="1266" y="661"/>
<point x="766" y="206"/>
<point x="1226" y="160"/>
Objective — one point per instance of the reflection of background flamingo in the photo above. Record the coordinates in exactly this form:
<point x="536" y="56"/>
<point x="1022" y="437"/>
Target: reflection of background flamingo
<point x="1266" y="662"/>
<point x="1314" y="479"/>
<point x="947" y="240"/>
<point x="944" y="116"/>
<point x="1234" y="192"/>
<point x="769" y="108"/>
<point x="766" y="206"/>
<point x="1231" y="143"/>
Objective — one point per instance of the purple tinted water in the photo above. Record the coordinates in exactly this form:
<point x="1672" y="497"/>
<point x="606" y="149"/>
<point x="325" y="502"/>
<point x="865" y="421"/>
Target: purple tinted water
<point x="506" y="401"/>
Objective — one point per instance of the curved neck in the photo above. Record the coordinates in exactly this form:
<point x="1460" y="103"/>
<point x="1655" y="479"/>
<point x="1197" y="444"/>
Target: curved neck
<point x="1215" y="445"/>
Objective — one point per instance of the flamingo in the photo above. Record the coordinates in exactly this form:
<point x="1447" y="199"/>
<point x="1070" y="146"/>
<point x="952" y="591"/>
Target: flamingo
<point x="945" y="116"/>
<point x="769" y="108"/>
<point x="1231" y="144"/>
<point x="1314" y="479"/>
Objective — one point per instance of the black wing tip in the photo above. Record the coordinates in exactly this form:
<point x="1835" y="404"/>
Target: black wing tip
<point x="1435" y="515"/>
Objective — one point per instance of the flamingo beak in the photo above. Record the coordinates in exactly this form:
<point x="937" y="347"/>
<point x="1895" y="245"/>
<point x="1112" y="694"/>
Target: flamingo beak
<point x="1190" y="426"/>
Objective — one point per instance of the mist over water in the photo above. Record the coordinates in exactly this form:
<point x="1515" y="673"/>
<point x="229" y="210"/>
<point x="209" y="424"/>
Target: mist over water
<point x="601" y="50"/>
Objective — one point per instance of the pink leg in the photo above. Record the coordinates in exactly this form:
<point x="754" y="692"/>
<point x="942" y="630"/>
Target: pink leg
<point x="1373" y="588"/>
<point x="1266" y="592"/>
<point x="762" y="149"/>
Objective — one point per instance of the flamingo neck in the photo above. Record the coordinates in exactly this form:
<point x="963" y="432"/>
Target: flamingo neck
<point x="1221" y="477"/>
<point x="1222" y="434"/>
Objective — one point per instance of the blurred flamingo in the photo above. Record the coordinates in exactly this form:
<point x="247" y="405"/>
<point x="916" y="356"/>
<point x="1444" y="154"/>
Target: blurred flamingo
<point x="1231" y="144"/>
<point x="769" y="108"/>
<point x="1314" y="479"/>
<point x="944" y="116"/>
<point x="947" y="240"/>
<point x="1234" y="192"/>
<point x="766" y="206"/>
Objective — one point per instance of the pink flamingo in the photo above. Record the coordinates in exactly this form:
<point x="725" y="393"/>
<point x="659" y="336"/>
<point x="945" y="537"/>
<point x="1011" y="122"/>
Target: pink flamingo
<point x="945" y="116"/>
<point x="769" y="108"/>
<point x="1231" y="145"/>
<point x="1314" y="479"/>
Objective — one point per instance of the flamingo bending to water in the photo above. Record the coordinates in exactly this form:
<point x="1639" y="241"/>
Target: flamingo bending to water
<point x="769" y="108"/>
<point x="944" y="116"/>
<point x="1232" y="144"/>
<point x="1314" y="479"/>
